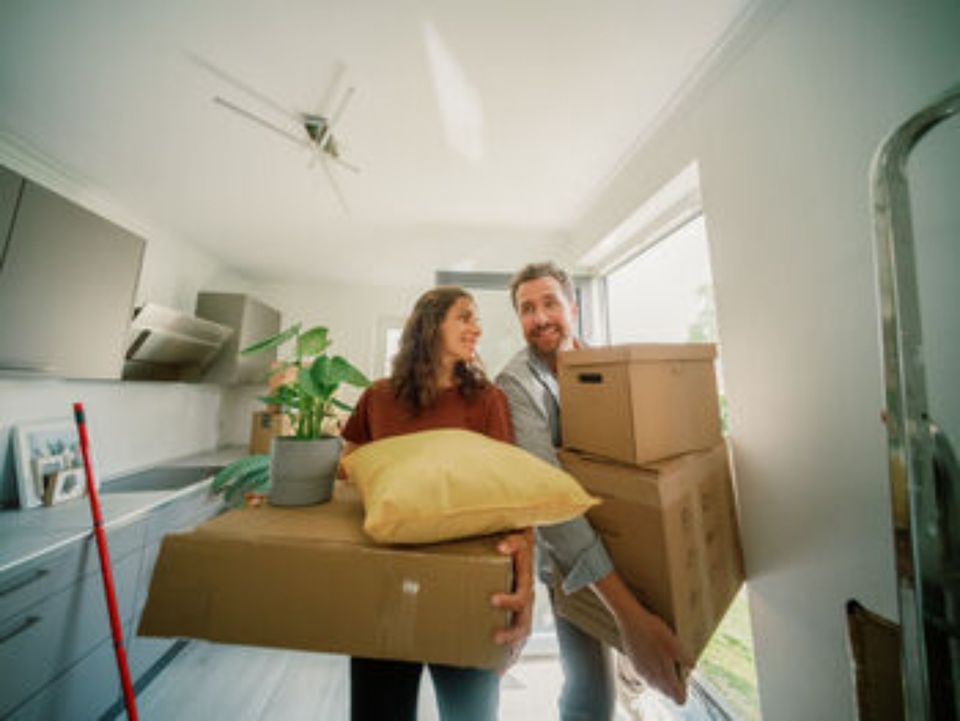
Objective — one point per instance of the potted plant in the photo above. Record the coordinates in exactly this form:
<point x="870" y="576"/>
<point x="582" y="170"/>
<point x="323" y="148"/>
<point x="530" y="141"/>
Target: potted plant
<point x="301" y="468"/>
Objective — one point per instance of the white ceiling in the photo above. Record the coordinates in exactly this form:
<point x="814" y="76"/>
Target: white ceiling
<point x="483" y="129"/>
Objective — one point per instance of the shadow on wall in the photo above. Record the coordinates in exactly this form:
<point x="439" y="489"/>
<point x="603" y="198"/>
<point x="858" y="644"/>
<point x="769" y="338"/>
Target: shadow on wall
<point x="8" y="480"/>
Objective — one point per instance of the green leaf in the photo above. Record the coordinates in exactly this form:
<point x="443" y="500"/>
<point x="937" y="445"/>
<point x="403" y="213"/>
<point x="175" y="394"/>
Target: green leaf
<point x="288" y="395"/>
<point x="343" y="372"/>
<point x="306" y="383"/>
<point x="233" y="496"/>
<point x="239" y="468"/>
<point x="312" y="342"/>
<point x="273" y="341"/>
<point x="342" y="406"/>
<point x="320" y="372"/>
<point x="254" y="479"/>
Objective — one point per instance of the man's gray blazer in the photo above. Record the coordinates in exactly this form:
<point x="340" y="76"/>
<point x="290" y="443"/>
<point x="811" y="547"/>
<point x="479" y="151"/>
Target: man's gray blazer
<point x="534" y="398"/>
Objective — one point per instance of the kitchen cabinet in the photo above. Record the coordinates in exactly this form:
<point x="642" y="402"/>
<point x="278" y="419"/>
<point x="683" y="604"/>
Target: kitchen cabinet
<point x="252" y="321"/>
<point x="56" y="652"/>
<point x="67" y="287"/>
<point x="59" y="631"/>
<point x="79" y="693"/>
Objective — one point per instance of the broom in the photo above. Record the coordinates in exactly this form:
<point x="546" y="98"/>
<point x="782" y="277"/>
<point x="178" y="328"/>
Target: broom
<point x="130" y="700"/>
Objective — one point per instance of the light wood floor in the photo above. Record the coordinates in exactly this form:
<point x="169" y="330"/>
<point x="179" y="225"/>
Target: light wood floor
<point x="216" y="682"/>
<point x="213" y="682"/>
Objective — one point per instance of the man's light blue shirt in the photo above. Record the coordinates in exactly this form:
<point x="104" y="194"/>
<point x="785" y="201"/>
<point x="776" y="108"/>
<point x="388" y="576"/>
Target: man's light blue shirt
<point x="533" y="394"/>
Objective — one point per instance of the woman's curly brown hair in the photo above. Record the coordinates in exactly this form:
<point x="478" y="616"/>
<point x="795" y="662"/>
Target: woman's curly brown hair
<point x="414" y="375"/>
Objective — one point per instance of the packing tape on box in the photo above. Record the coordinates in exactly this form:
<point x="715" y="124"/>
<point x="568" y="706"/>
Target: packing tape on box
<point x="398" y="619"/>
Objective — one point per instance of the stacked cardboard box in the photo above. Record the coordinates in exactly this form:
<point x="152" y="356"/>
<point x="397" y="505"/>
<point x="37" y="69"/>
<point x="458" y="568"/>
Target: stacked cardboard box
<point x="310" y="578"/>
<point x="641" y="430"/>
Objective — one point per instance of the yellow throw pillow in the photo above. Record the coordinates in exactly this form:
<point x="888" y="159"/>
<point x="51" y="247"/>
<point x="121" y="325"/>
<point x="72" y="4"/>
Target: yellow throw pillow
<point x="445" y="484"/>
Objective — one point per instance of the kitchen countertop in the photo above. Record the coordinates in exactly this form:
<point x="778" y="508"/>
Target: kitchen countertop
<point x="26" y="534"/>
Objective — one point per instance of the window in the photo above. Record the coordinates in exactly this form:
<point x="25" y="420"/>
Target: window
<point x="665" y="294"/>
<point x="391" y="346"/>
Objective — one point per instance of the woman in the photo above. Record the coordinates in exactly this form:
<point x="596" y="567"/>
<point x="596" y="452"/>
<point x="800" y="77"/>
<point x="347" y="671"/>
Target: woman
<point x="436" y="382"/>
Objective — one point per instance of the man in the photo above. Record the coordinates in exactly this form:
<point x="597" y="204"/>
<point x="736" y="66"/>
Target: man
<point x="544" y="299"/>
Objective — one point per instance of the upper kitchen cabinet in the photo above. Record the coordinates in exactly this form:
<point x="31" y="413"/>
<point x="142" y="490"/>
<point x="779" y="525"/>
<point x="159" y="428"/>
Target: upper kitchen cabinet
<point x="252" y="321"/>
<point x="67" y="284"/>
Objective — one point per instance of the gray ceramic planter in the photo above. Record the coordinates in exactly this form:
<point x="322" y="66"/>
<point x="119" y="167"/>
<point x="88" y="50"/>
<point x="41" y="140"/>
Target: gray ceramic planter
<point x="302" y="471"/>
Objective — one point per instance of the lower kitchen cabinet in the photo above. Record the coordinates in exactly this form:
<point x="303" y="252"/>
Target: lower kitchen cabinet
<point x="58" y="631"/>
<point x="59" y="647"/>
<point x="81" y="693"/>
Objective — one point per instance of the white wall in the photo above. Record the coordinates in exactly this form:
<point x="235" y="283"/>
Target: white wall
<point x="353" y="313"/>
<point x="132" y="424"/>
<point x="784" y="134"/>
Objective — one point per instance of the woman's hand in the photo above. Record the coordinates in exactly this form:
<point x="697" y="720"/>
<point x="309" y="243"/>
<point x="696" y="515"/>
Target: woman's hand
<point x="520" y="602"/>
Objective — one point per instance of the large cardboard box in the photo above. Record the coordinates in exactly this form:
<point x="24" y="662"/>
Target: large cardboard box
<point x="639" y="403"/>
<point x="265" y="426"/>
<point x="671" y="531"/>
<point x="309" y="578"/>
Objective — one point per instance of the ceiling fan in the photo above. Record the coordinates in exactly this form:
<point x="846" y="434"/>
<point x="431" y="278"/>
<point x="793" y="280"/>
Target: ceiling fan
<point x="313" y="131"/>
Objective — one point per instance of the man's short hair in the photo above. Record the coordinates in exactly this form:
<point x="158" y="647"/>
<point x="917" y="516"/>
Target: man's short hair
<point x="532" y="271"/>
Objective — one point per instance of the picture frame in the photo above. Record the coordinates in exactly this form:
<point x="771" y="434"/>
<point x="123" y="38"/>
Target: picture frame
<point x="49" y="466"/>
<point x="64" y="485"/>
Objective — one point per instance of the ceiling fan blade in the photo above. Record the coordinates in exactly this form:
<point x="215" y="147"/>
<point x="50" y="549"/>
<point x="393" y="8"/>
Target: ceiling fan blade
<point x="338" y="113"/>
<point x="260" y="121"/>
<point x="332" y="120"/>
<point x="335" y="185"/>
<point x="315" y="154"/>
<point x="345" y="164"/>
<point x="242" y="86"/>
<point x="336" y="77"/>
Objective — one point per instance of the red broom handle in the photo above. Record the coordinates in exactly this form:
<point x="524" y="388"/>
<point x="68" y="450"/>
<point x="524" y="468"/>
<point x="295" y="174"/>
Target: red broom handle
<point x="129" y="698"/>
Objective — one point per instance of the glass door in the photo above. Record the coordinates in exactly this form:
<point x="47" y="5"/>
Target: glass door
<point x="664" y="294"/>
<point x="917" y="220"/>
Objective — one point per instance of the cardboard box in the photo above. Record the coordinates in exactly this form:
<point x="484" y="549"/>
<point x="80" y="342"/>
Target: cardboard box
<point x="309" y="578"/>
<point x="265" y="426"/>
<point x="639" y="403"/>
<point x="671" y="531"/>
<point x="875" y="647"/>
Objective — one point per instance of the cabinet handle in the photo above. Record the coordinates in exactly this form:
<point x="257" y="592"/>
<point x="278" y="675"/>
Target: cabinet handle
<point x="19" y="628"/>
<point x="24" y="580"/>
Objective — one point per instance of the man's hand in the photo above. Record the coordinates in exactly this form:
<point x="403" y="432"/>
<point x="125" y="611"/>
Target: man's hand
<point x="653" y="649"/>
<point x="656" y="654"/>
<point x="520" y="602"/>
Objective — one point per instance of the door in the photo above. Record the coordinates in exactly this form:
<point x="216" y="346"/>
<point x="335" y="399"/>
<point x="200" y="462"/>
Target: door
<point x="916" y="177"/>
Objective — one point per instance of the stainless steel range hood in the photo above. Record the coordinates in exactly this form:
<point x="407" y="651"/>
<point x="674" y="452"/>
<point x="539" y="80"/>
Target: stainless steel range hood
<point x="168" y="344"/>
